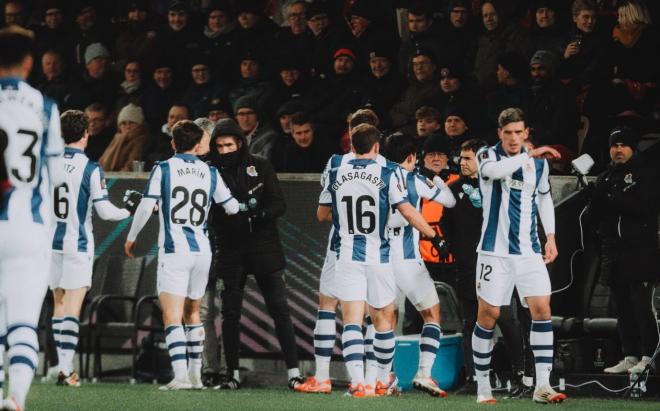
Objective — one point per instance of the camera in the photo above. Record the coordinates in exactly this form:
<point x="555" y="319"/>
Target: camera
<point x="581" y="167"/>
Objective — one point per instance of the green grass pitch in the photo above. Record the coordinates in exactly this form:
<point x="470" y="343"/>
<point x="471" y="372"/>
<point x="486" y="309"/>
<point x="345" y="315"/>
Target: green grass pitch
<point x="113" y="396"/>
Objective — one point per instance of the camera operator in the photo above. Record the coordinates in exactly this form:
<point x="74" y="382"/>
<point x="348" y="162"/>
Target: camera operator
<point x="624" y="212"/>
<point x="249" y="243"/>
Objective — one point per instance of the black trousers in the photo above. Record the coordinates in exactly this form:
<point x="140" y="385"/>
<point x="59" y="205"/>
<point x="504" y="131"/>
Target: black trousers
<point x="636" y="324"/>
<point x="273" y="289"/>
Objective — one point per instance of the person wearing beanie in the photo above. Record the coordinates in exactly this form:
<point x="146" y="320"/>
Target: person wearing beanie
<point x="382" y="87"/>
<point x="512" y="72"/>
<point x="160" y="92"/>
<point x="546" y="31"/>
<point x="248" y="243"/>
<point x="217" y="39"/>
<point x="252" y="80"/>
<point x="137" y="35"/>
<point x="624" y="213"/>
<point x="457" y="123"/>
<point x="97" y="82"/>
<point x="259" y="137"/>
<point x="129" y="142"/>
<point x="204" y="86"/>
<point x="423" y="35"/>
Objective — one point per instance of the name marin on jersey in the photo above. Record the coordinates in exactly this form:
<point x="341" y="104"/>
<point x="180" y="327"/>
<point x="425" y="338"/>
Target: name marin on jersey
<point x="190" y="171"/>
<point x="358" y="175"/>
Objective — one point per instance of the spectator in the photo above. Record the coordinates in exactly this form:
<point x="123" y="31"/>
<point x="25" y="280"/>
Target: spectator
<point x="327" y="38"/>
<point x="340" y="93"/>
<point x="423" y="87"/>
<point x="429" y="122"/>
<point x="131" y="88"/>
<point x="204" y="144"/>
<point x="499" y="37"/>
<point x="14" y="14"/>
<point x="457" y="35"/>
<point x="292" y="82"/>
<point x="129" y="143"/>
<point x="383" y="86"/>
<point x="160" y="94"/>
<point x="160" y="147"/>
<point x="137" y="36"/>
<point x="512" y="73"/>
<point x="456" y="127"/>
<point x="255" y="33"/>
<point x="53" y="33"/>
<point x="237" y="239"/>
<point x="550" y="108"/>
<point x="97" y="83"/>
<point x="294" y="37"/>
<point x="283" y="126"/>
<point x="87" y="31"/>
<point x="635" y="57"/>
<point x="546" y="31"/>
<point x="53" y="82"/>
<point x="252" y="79"/>
<point x="219" y="37"/>
<point x="203" y="88"/>
<point x="100" y="130"/>
<point x="259" y="137"/>
<point x="367" y="28"/>
<point x="218" y="109"/>
<point x="454" y="89"/>
<point x="423" y="34"/>
<point x="309" y="151"/>
<point x="624" y="212"/>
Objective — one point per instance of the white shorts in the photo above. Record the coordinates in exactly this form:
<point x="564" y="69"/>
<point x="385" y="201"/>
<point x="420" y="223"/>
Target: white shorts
<point x="414" y="281"/>
<point x="326" y="282"/>
<point x="71" y="271"/>
<point x="185" y="275"/>
<point x="496" y="277"/>
<point x="24" y="267"/>
<point x="360" y="282"/>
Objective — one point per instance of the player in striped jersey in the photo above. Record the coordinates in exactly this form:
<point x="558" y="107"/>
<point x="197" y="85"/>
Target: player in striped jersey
<point x="412" y="277"/>
<point x="72" y="239"/>
<point x="357" y="198"/>
<point x="30" y="126"/>
<point x="185" y="186"/>
<point x="324" y="329"/>
<point x="515" y="190"/>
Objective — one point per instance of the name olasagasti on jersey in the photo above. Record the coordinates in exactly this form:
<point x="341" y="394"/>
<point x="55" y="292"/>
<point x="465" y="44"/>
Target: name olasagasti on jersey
<point x="358" y="175"/>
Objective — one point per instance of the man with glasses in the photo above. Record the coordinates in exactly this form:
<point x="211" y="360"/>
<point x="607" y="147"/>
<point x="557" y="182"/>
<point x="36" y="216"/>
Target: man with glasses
<point x="260" y="138"/>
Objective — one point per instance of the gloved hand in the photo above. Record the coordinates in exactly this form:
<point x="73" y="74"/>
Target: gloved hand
<point x="441" y="246"/>
<point x="473" y="193"/>
<point x="132" y="199"/>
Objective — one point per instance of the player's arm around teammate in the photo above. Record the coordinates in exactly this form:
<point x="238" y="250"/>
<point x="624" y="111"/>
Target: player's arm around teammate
<point x="73" y="243"/>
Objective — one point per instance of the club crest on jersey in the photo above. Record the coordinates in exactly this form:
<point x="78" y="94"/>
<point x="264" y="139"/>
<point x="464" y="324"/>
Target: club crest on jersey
<point x="103" y="184"/>
<point x="429" y="183"/>
<point x="628" y="179"/>
<point x="252" y="171"/>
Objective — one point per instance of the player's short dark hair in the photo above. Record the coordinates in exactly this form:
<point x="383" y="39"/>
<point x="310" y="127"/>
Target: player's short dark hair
<point x="300" y="119"/>
<point x="473" y="144"/>
<point x="363" y="116"/>
<point x="398" y="146"/>
<point x="364" y="136"/>
<point x="510" y="115"/>
<point x="73" y="123"/>
<point x="15" y="44"/>
<point x="428" y="113"/>
<point x="186" y="134"/>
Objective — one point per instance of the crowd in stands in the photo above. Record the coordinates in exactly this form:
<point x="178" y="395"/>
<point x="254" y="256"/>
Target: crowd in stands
<point x="291" y="72"/>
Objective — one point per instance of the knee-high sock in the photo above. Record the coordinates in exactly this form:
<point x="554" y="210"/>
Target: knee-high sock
<point x="541" y="341"/>
<point x="57" y="336"/>
<point x="176" y="345"/>
<point x="23" y="359"/>
<point x="352" y="345"/>
<point x="195" y="345"/>
<point x="481" y="353"/>
<point x="2" y="359"/>
<point x="325" y="334"/>
<point x="68" y="343"/>
<point x="371" y="371"/>
<point x="384" y="351"/>
<point x="428" y="348"/>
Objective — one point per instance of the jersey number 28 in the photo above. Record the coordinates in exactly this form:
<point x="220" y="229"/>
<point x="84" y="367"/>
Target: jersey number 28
<point x="198" y="200"/>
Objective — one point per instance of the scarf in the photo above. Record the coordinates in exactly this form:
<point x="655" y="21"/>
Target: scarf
<point x="130" y="87"/>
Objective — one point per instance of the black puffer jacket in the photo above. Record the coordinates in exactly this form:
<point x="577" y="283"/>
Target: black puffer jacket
<point x="249" y="238"/>
<point x="624" y="212"/>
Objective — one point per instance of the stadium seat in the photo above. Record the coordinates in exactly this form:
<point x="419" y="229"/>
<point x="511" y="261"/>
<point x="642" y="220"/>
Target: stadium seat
<point x="111" y="312"/>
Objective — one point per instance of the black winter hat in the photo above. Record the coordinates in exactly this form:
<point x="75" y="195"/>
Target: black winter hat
<point x="515" y="64"/>
<point x="624" y="135"/>
<point x="227" y="127"/>
<point x="247" y="101"/>
<point x="316" y="8"/>
<point x="451" y="4"/>
<point x="436" y="143"/>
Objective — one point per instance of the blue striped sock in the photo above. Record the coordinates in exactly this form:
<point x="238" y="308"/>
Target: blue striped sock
<point x="352" y="345"/>
<point x="176" y="345"/>
<point x="68" y="343"/>
<point x="428" y="348"/>
<point x="325" y="334"/>
<point x="2" y="359"/>
<point x="384" y="350"/>
<point x="371" y="372"/>
<point x="541" y="341"/>
<point x="23" y="359"/>
<point x="57" y="336"/>
<point x="481" y="352"/>
<point x="195" y="346"/>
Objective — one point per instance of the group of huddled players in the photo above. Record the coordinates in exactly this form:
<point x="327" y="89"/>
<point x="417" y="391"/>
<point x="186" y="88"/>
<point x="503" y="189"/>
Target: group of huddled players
<point x="45" y="223"/>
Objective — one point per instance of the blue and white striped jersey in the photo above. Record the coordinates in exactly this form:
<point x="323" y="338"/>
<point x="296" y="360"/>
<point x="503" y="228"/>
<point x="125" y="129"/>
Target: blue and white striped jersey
<point x="31" y="123"/>
<point x="184" y="185"/>
<point x="509" y="188"/>
<point x="337" y="160"/>
<point x="361" y="193"/>
<point x="404" y="239"/>
<point x="73" y="200"/>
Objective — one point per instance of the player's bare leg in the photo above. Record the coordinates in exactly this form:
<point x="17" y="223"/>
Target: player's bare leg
<point x="541" y="341"/>
<point x="175" y="337"/>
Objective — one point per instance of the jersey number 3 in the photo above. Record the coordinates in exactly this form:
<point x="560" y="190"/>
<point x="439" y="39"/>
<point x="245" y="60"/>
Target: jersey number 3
<point x="29" y="153"/>
<point x="359" y="214"/>
<point x="198" y="200"/>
